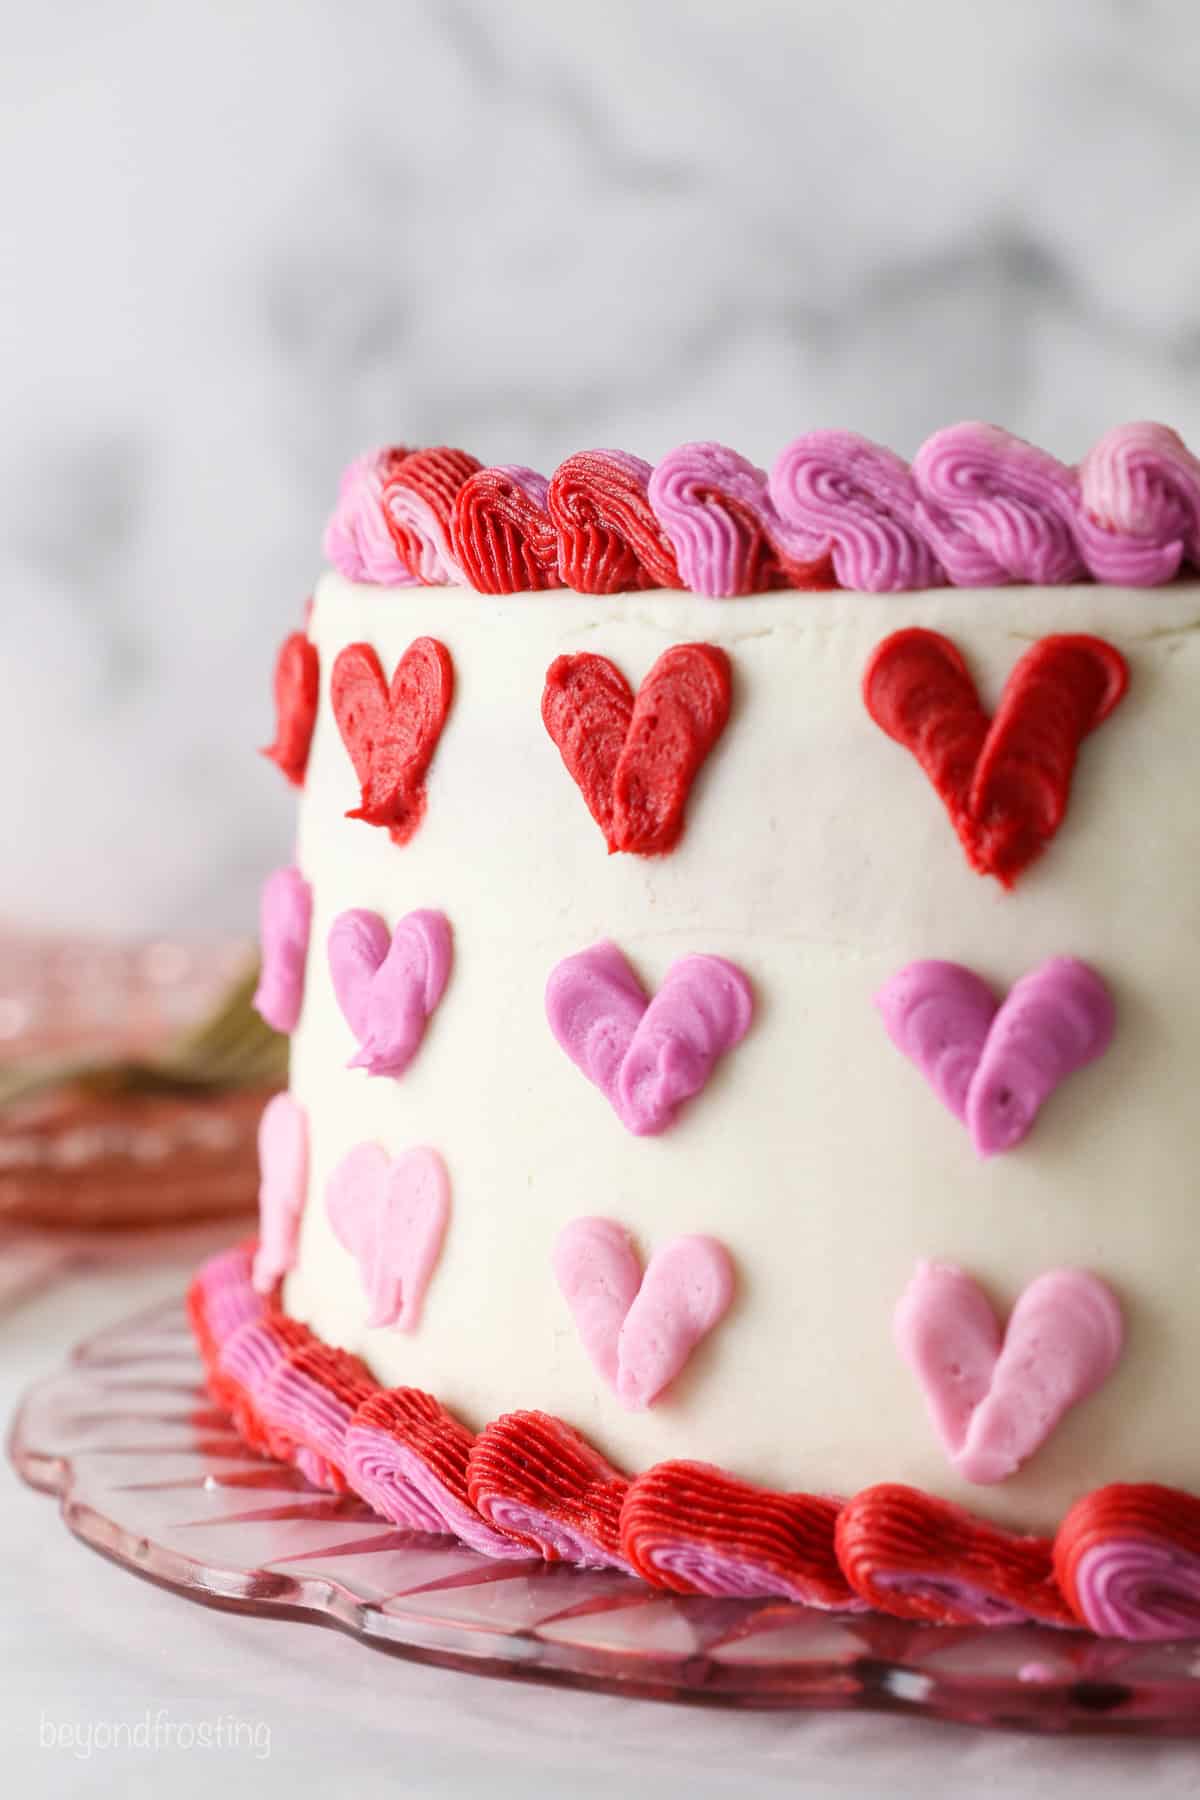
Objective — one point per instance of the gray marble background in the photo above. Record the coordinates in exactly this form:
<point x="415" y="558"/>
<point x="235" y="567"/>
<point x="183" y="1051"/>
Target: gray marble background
<point x="244" y="238"/>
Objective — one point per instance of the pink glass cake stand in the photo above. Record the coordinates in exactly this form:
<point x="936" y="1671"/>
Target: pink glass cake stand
<point x="151" y="1474"/>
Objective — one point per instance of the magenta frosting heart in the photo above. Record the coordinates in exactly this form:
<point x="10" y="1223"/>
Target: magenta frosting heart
<point x="283" y="1187"/>
<point x="995" y="1398"/>
<point x="388" y="984"/>
<point x="639" y="1330"/>
<point x="391" y="1215"/>
<point x="647" y="1056"/>
<point x="996" y="1064"/>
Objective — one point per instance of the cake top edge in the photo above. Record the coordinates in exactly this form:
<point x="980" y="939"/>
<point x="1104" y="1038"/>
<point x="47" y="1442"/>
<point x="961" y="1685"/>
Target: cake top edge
<point x="976" y="507"/>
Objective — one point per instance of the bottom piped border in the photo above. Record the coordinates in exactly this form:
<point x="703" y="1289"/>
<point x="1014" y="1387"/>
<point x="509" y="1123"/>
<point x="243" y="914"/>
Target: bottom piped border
<point x="1124" y="1563"/>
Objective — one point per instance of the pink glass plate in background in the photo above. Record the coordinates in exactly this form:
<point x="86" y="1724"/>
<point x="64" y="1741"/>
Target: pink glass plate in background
<point x="132" y="1077"/>
<point x="150" y="1473"/>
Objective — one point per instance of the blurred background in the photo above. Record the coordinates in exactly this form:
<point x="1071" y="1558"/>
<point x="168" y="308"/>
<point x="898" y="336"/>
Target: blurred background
<point x="249" y="238"/>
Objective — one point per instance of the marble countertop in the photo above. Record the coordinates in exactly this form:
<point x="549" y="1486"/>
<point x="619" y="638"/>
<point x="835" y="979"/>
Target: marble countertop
<point x="250" y="240"/>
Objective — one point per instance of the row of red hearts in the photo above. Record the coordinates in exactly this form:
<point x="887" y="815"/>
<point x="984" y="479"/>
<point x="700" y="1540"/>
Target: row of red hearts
<point x="1004" y="778"/>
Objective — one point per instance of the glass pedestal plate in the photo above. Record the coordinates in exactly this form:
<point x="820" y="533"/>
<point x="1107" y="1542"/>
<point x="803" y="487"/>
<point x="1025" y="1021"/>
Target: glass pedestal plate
<point x="150" y="1473"/>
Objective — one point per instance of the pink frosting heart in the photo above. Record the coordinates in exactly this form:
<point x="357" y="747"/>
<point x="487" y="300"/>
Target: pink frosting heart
<point x="995" y="1398"/>
<point x="388" y="986"/>
<point x="391" y="1215"/>
<point x="995" y="1065"/>
<point x="282" y="1190"/>
<point x="639" y="1330"/>
<point x="285" y="918"/>
<point x="647" y="1057"/>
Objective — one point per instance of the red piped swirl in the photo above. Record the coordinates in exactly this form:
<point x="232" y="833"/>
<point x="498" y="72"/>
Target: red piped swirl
<point x="407" y="1457"/>
<point x="544" y="1486"/>
<point x="608" y="537"/>
<point x="308" y="1402"/>
<point x="441" y="1441"/>
<point x="419" y="492"/>
<point x="501" y="532"/>
<point x="297" y="689"/>
<point x="345" y="1376"/>
<point x="692" y="1528"/>
<point x="921" y="1558"/>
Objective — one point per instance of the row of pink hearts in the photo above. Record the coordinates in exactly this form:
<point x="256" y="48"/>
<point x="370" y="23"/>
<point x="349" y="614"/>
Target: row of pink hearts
<point x="993" y="1397"/>
<point x="993" y="1063"/>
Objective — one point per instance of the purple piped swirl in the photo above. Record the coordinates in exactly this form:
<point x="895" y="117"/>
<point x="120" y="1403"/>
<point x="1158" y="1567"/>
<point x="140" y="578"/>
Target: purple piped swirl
<point x="706" y="1571"/>
<point x="230" y="1298"/>
<point x="715" y="508"/>
<point x="971" y="1603"/>
<point x="556" y="1541"/>
<point x="857" y="502"/>
<point x="1139" y="506"/>
<point x="995" y="509"/>
<point x="1139" y="1589"/>
<point x="397" y="1482"/>
<point x="306" y="1410"/>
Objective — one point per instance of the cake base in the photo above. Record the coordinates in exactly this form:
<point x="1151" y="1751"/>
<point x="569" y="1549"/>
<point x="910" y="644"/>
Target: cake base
<point x="152" y="1474"/>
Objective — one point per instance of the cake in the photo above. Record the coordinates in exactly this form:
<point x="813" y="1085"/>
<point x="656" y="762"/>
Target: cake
<point x="741" y="965"/>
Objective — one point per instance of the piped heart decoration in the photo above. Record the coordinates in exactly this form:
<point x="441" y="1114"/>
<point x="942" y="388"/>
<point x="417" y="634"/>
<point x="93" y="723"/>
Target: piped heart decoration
<point x="640" y="1329"/>
<point x="392" y="731"/>
<point x="634" y="759"/>
<point x="388" y="983"/>
<point x="994" y="1065"/>
<point x="285" y="919"/>
<point x="282" y="1188"/>
<point x="647" y="1056"/>
<point x="994" y="1399"/>
<point x="297" y="688"/>
<point x="1005" y="781"/>
<point x="391" y="1216"/>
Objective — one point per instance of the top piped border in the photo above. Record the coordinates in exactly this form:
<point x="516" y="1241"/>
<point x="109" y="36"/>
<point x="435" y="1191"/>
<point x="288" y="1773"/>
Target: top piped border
<point x="977" y="507"/>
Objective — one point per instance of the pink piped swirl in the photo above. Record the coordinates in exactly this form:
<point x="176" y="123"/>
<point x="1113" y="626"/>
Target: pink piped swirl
<point x="995" y="509"/>
<point x="1139" y="506"/>
<point x="357" y="540"/>
<point x="857" y="502"/>
<point x="729" y="539"/>
<point x="1136" y="1588"/>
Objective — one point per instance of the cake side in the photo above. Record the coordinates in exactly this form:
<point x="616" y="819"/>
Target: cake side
<point x="818" y="861"/>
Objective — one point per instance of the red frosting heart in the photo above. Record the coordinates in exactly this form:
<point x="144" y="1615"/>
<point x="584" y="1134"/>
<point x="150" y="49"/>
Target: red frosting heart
<point x="297" y="685"/>
<point x="392" y="733"/>
<point x="634" y="760"/>
<point x="922" y="1558"/>
<point x="1005" y="781"/>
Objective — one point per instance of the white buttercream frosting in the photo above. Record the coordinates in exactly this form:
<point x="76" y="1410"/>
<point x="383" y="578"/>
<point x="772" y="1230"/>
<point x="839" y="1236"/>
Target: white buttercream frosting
<point x="819" y="860"/>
